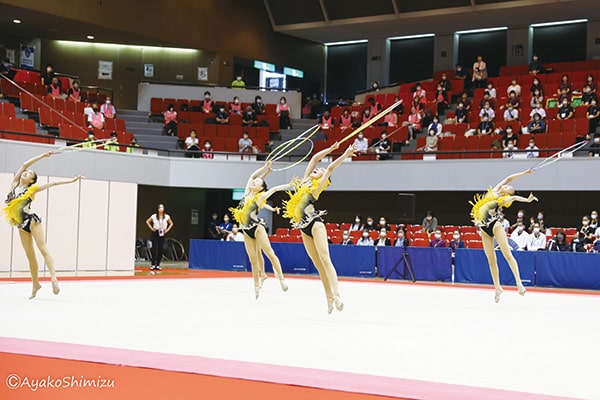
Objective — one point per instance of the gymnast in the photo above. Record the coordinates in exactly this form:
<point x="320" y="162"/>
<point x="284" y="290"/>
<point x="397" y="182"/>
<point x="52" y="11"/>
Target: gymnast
<point x="485" y="213"/>
<point x="303" y="215"/>
<point x="18" y="213"/>
<point x="256" y="239"/>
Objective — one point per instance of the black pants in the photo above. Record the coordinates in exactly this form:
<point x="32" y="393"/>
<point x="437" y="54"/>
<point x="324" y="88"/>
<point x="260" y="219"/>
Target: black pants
<point x="594" y="124"/>
<point x="284" y="120"/>
<point x="158" y="243"/>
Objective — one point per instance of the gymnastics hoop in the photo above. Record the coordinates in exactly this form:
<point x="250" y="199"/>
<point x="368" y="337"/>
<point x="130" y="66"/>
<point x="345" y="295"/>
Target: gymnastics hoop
<point x="280" y="151"/>
<point x="371" y="121"/>
<point x="558" y="155"/>
<point x="79" y="146"/>
<point x="308" y="153"/>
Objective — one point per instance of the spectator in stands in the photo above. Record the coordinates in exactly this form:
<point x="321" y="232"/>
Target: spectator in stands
<point x="537" y="89"/>
<point x="511" y="115"/>
<point x="430" y="222"/>
<point x="437" y="240"/>
<point x="589" y="80"/>
<point x="238" y="83"/>
<point x="235" y="107"/>
<point x="383" y="240"/>
<point x="431" y="142"/>
<point x="435" y="125"/>
<point x="413" y="123"/>
<point x="346" y="119"/>
<point x="357" y="224"/>
<point x="444" y="83"/>
<point x="514" y="87"/>
<point x="207" y="151"/>
<point x="213" y="226"/>
<point x="520" y="218"/>
<point x="585" y="235"/>
<point x="224" y="227"/>
<point x="365" y="240"/>
<point x="508" y="150"/>
<point x="401" y="239"/>
<point x="487" y="99"/>
<point x="383" y="147"/>
<point x="235" y="235"/>
<point x="326" y="122"/>
<point x="249" y="117"/>
<point x="564" y="95"/>
<point x="374" y="107"/>
<point x="400" y="107"/>
<point x="565" y="84"/>
<point x="420" y="95"/>
<point x="375" y="86"/>
<point x="361" y="144"/>
<point x="594" y="220"/>
<point x="462" y="74"/>
<point x="487" y="111"/>
<point x="96" y="119"/>
<point x="537" y="239"/>
<point x="559" y="242"/>
<point x="532" y="149"/>
<point x="369" y="224"/>
<point x="535" y="66"/>
<point x="390" y="120"/>
<point x="441" y="98"/>
<point x="537" y="124"/>
<point x="49" y="75"/>
<point x="283" y="111"/>
<point x="88" y="142"/>
<point x="346" y="240"/>
<point x="594" y="150"/>
<point x="565" y="111"/>
<point x="538" y="109"/>
<point x="593" y="115"/>
<point x="108" y="109"/>
<point x="207" y="104"/>
<point x="192" y="145"/>
<point x="509" y="135"/>
<point x="480" y="73"/>
<point x="383" y="224"/>
<point x="258" y="106"/>
<point x="170" y="124"/>
<point x="74" y="92"/>
<point x="132" y="144"/>
<point x="520" y="236"/>
<point x="491" y="90"/>
<point x="456" y="242"/>
<point x="461" y="114"/>
<point x="5" y="66"/>
<point x="55" y="89"/>
<point x="222" y="117"/>
<point x="588" y="95"/>
<point x="513" y="99"/>
<point x="245" y="144"/>
<point x="113" y="144"/>
<point x="466" y="101"/>
<point x="504" y="222"/>
<point x="485" y="127"/>
<point x="366" y="116"/>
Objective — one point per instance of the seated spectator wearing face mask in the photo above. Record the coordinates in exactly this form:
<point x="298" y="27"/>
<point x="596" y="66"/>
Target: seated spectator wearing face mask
<point x="594" y="220"/>
<point x="437" y="240"/>
<point x="383" y="240"/>
<point x="565" y="111"/>
<point x="207" y="151"/>
<point x="401" y="239"/>
<point x="537" y="124"/>
<point x="108" y="109"/>
<point x="238" y="83"/>
<point x="346" y="241"/>
<point x="559" y="242"/>
<point x="369" y="225"/>
<point x="593" y="116"/>
<point x="509" y="150"/>
<point x="430" y="223"/>
<point x="520" y="236"/>
<point x="594" y="150"/>
<point x="361" y="144"/>
<point x="456" y="242"/>
<point x="235" y="235"/>
<point x="383" y="224"/>
<point x="207" y="104"/>
<point x="585" y="235"/>
<point x="537" y="239"/>
<point x="532" y="149"/>
<point x="365" y="240"/>
<point x="357" y="225"/>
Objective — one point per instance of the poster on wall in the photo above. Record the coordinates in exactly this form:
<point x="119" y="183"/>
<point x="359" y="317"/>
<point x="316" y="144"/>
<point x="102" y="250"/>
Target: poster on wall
<point x="202" y="73"/>
<point x="195" y="217"/>
<point x="149" y="70"/>
<point x="27" y="56"/>
<point x="105" y="70"/>
<point x="10" y="54"/>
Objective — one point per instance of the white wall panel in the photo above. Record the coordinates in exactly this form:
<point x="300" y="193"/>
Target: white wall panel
<point x="39" y="206"/>
<point x="93" y="225"/>
<point x="121" y="226"/>
<point x="5" y="227"/>
<point x="62" y="224"/>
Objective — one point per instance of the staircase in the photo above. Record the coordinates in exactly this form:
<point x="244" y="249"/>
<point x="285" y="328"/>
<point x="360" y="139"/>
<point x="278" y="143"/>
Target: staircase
<point x="148" y="134"/>
<point x="21" y="115"/>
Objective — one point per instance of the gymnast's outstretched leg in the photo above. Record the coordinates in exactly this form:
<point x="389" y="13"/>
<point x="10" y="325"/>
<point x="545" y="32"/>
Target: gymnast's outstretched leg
<point x="263" y="242"/>
<point x="507" y="253"/>
<point x="253" y="250"/>
<point x="490" y="253"/>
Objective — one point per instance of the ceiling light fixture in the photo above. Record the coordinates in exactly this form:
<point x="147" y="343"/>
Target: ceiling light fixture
<point x="90" y="37"/>
<point x="346" y="42"/>
<point x="501" y="28"/>
<point x="424" y="35"/>
<point x="573" y="21"/>
<point x="16" y="21"/>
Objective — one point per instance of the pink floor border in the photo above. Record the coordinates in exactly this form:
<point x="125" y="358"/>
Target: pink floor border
<point x="323" y="379"/>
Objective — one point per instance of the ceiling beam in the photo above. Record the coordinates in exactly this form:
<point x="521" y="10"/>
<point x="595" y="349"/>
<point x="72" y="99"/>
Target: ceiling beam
<point x="270" y="14"/>
<point x="324" y="10"/>
<point x="396" y="8"/>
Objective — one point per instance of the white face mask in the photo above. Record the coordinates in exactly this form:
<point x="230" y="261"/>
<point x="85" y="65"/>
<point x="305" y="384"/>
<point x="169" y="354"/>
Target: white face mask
<point x="382" y="235"/>
<point x="429" y="218"/>
<point x="282" y="101"/>
<point x="520" y="228"/>
<point x="540" y="216"/>
<point x="360" y="137"/>
<point x="520" y="215"/>
<point x="594" y="216"/>
<point x="382" y="222"/>
<point x="357" y="221"/>
<point x="234" y="230"/>
<point x="207" y="146"/>
<point x="456" y="237"/>
<point x="366" y="235"/>
<point x="107" y="101"/>
<point x="596" y="140"/>
<point x="585" y="223"/>
<point x="510" y="147"/>
<point x="345" y="237"/>
<point x="438" y="236"/>
<point x="207" y="97"/>
<point x="236" y="101"/>
<point x="536" y="230"/>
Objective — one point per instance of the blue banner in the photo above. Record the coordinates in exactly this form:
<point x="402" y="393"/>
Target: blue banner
<point x="429" y="264"/>
<point x="471" y="266"/>
<point x="572" y="270"/>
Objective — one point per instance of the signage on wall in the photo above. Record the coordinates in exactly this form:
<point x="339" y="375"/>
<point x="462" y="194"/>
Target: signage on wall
<point x="195" y="217"/>
<point x="10" y="54"/>
<point x="149" y="70"/>
<point x="105" y="70"/>
<point x="27" y="56"/>
<point x="202" y="73"/>
<point x="264" y="66"/>
<point x="296" y="73"/>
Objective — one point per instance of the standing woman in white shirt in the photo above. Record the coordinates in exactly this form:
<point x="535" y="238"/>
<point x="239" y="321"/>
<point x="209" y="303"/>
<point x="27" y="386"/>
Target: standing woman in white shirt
<point x="160" y="224"/>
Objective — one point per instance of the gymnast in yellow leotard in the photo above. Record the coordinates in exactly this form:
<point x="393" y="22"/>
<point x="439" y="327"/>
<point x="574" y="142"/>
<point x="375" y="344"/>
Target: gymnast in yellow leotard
<point x="485" y="213"/>
<point x="256" y="239"/>
<point x="303" y="215"/>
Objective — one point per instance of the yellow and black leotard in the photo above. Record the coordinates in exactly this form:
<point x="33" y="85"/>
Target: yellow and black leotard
<point x="18" y="207"/>
<point x="246" y="214"/>
<point x="300" y="206"/>
<point x="486" y="209"/>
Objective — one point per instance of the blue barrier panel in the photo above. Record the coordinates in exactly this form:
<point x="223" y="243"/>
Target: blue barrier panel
<point x="293" y="259"/>
<point x="568" y="270"/>
<point x="215" y="254"/>
<point x="471" y="266"/>
<point x="353" y="260"/>
<point x="429" y="264"/>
